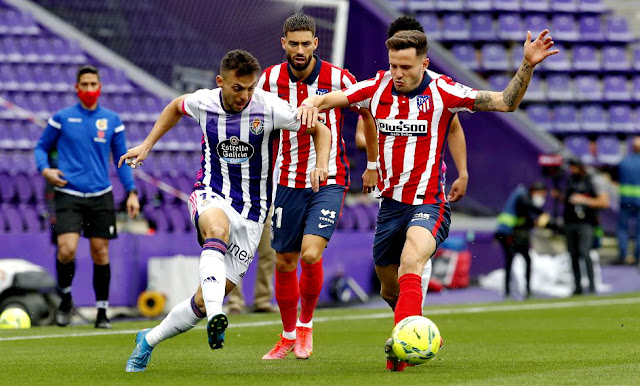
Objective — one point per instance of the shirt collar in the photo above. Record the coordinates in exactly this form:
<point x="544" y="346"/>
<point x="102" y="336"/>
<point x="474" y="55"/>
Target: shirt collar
<point x="418" y="90"/>
<point x="309" y="79"/>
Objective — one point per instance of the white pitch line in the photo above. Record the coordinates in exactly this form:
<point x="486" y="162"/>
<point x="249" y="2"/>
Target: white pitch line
<point x="380" y="315"/>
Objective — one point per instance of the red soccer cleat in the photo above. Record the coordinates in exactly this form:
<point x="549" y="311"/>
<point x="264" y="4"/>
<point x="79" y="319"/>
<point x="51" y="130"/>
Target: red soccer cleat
<point x="281" y="349"/>
<point x="395" y="365"/>
<point x="304" y="342"/>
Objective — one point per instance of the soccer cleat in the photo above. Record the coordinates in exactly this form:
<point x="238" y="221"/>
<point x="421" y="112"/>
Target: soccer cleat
<point x="393" y="363"/>
<point x="304" y="342"/>
<point x="64" y="313"/>
<point x="216" y="329"/>
<point x="141" y="354"/>
<point x="101" y="320"/>
<point x="281" y="349"/>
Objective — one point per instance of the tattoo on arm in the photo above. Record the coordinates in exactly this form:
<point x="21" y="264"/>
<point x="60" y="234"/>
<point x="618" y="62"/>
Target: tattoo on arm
<point x="484" y="102"/>
<point x="518" y="86"/>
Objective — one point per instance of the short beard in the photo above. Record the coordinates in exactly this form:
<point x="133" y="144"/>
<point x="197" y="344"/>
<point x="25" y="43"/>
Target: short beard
<point x="298" y="67"/>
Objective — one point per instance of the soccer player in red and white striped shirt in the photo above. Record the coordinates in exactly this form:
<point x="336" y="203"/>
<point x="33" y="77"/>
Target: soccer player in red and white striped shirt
<point x="303" y="221"/>
<point x="412" y="113"/>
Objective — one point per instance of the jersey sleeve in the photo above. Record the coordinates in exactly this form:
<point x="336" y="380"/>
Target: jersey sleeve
<point x="455" y="96"/>
<point x="360" y="93"/>
<point x="47" y="140"/>
<point x="285" y="116"/>
<point x="262" y="81"/>
<point x="191" y="104"/>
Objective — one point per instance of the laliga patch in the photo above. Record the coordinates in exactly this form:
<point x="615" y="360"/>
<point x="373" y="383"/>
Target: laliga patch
<point x="235" y="151"/>
<point x="257" y="126"/>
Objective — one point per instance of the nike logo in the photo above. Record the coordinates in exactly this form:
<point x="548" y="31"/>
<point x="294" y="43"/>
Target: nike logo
<point x="323" y="225"/>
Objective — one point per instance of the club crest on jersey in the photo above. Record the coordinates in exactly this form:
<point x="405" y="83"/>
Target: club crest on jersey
<point x="322" y="91"/>
<point x="257" y="126"/>
<point x="102" y="124"/>
<point x="424" y="103"/>
<point x="234" y="151"/>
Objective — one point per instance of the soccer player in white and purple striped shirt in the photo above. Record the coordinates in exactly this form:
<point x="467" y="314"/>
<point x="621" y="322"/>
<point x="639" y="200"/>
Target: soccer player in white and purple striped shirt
<point x="232" y="195"/>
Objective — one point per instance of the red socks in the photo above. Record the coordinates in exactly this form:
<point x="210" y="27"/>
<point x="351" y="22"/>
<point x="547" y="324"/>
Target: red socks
<point x="310" y="286"/>
<point x="410" y="298"/>
<point x="287" y="295"/>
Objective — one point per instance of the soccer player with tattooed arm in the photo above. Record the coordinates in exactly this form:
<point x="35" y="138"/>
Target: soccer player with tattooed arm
<point x="412" y="113"/>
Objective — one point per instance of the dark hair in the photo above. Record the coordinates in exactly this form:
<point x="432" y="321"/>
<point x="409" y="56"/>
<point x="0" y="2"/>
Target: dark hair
<point x="299" y="22"/>
<point x="86" y="69"/>
<point x="409" y="39"/>
<point x="404" y="23"/>
<point x="241" y="61"/>
<point x="537" y="186"/>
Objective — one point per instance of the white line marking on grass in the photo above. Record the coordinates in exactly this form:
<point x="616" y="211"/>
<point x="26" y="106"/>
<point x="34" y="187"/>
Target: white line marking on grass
<point x="380" y="315"/>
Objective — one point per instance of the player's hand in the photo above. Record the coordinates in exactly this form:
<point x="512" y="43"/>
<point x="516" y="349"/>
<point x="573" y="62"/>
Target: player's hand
<point x="134" y="156"/>
<point x="578" y="199"/>
<point x="318" y="175"/>
<point x="458" y="189"/>
<point x="308" y="115"/>
<point x="536" y="51"/>
<point x="369" y="180"/>
<point x="133" y="205"/>
<point x="53" y="176"/>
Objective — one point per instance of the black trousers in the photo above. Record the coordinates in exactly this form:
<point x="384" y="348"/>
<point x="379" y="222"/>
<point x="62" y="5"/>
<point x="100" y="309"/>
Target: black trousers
<point x="518" y="242"/>
<point x="579" y="242"/>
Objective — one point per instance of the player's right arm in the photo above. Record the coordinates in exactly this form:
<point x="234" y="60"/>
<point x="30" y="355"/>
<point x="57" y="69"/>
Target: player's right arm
<point x="458" y="149"/>
<point x="169" y="117"/>
<point x="48" y="139"/>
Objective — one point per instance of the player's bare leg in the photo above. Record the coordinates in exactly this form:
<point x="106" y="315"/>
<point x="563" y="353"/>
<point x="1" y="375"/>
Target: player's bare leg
<point x="311" y="278"/>
<point x="287" y="293"/>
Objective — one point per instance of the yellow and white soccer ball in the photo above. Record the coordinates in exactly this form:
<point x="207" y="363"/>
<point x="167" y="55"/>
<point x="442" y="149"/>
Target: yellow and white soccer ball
<point x="415" y="340"/>
<point x="14" y="318"/>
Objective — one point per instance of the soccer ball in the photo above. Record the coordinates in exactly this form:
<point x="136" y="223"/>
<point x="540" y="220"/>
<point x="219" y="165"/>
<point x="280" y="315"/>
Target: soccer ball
<point x="415" y="340"/>
<point x="15" y="318"/>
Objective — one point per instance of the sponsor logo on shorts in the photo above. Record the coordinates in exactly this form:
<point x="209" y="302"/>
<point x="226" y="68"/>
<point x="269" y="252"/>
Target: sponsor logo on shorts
<point x="112" y="229"/>
<point x="240" y="254"/>
<point x="235" y="151"/>
<point x="204" y="202"/>
<point x="328" y="216"/>
<point x="324" y="225"/>
<point x="420" y="216"/>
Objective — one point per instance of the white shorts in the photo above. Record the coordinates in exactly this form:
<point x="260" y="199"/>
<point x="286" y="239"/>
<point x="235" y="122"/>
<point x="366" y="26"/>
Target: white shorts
<point x="244" y="234"/>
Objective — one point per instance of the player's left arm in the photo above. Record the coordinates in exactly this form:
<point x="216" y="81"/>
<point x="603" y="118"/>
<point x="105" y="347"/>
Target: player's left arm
<point x="509" y="99"/>
<point x="310" y="107"/>
<point x="370" y="134"/>
<point x="125" y="174"/>
<point x="322" y="142"/>
<point x="458" y="149"/>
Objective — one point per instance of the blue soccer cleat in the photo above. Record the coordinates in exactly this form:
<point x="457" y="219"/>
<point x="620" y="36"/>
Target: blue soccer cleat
<point x="141" y="354"/>
<point x="215" y="331"/>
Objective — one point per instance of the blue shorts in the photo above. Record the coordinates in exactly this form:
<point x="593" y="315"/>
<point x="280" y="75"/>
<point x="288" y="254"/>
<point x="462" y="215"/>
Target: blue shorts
<point x="395" y="218"/>
<point x="298" y="212"/>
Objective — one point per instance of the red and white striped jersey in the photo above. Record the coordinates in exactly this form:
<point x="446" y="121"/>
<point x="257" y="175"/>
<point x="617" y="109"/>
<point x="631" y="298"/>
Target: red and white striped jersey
<point x="413" y="129"/>
<point x="297" y="156"/>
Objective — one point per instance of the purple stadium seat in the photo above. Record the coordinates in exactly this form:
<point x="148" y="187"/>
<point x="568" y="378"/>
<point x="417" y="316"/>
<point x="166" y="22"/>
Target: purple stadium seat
<point x="559" y="61"/>
<point x="564" y="28"/>
<point x="14" y="220"/>
<point x="541" y="116"/>
<point x="565" y="118"/>
<point x="585" y="58"/>
<point x="616" y="88"/>
<point x="450" y="5"/>
<point x="506" y="5"/>
<point x="564" y="5"/>
<point x="559" y="87"/>
<point x="38" y="187"/>
<point x="510" y="27"/>
<point x="534" y="5"/>
<point x="177" y="218"/>
<point x="31" y="218"/>
<point x="580" y="146"/>
<point x="617" y="29"/>
<point x="608" y="150"/>
<point x="24" y="187"/>
<point x="636" y="87"/>
<point x="499" y="82"/>
<point x="536" y="24"/>
<point x="591" y="6"/>
<point x="481" y="27"/>
<point x="11" y="50"/>
<point x="431" y="25"/>
<point x="494" y="57"/>
<point x="8" y="191"/>
<point x="615" y="58"/>
<point x="620" y="118"/>
<point x="347" y="221"/>
<point x="591" y="28"/>
<point x="364" y="220"/>
<point x="420" y="5"/>
<point x="636" y="58"/>
<point x="588" y="88"/>
<point x="479" y="5"/>
<point x="162" y="223"/>
<point x="466" y="54"/>
<point x="593" y="117"/>
<point x="454" y="27"/>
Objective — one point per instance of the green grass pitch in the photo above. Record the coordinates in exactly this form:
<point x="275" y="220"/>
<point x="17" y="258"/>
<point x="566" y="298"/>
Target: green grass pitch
<point x="587" y="340"/>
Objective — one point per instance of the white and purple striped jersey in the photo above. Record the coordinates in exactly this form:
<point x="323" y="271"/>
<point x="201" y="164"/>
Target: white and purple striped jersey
<point x="237" y="153"/>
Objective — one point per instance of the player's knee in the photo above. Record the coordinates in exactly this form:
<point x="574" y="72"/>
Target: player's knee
<point x="286" y="262"/>
<point x="66" y="252"/>
<point x="100" y="255"/>
<point x="410" y="264"/>
<point x="199" y="300"/>
<point x="311" y="255"/>
<point x="389" y="295"/>
<point x="214" y="232"/>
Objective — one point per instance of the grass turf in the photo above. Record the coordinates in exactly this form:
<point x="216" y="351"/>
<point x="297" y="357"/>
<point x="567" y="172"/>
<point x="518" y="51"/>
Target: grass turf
<point x="587" y="340"/>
